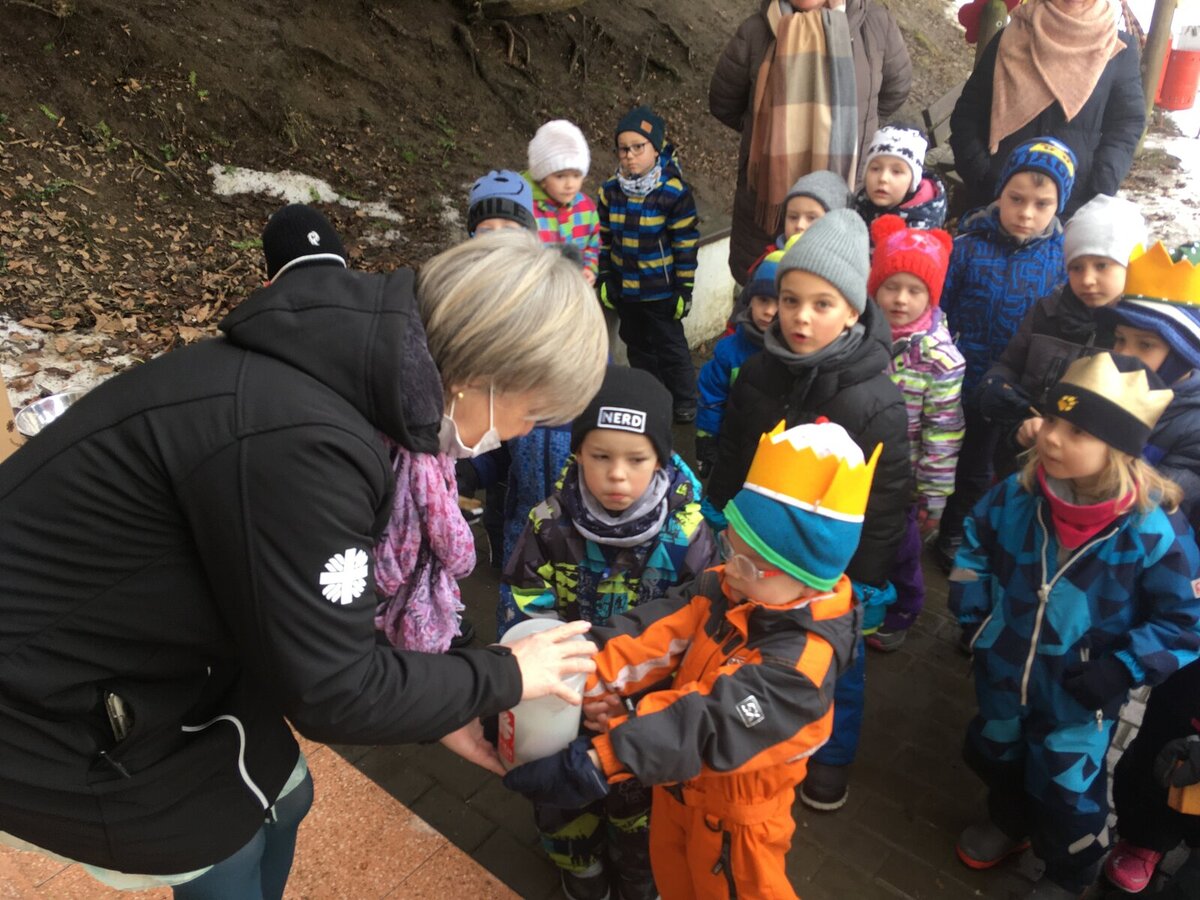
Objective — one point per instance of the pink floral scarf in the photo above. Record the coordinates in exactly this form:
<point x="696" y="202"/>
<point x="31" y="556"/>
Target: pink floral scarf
<point x="426" y="546"/>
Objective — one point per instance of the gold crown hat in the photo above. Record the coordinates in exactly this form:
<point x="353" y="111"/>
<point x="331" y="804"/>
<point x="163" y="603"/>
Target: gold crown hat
<point x="803" y="501"/>
<point x="1114" y="398"/>
<point x="1161" y="274"/>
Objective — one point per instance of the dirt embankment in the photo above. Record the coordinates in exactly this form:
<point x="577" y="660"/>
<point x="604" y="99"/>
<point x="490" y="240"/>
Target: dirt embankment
<point x="112" y="116"/>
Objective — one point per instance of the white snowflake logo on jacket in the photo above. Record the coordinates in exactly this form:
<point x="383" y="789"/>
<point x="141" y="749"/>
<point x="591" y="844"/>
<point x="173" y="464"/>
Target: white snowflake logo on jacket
<point x="345" y="576"/>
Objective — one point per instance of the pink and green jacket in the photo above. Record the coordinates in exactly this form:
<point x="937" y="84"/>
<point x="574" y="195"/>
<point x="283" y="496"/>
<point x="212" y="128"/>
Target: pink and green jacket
<point x="577" y="224"/>
<point x="928" y="369"/>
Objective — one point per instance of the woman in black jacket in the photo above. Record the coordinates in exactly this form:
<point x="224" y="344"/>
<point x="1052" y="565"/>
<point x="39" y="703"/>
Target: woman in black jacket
<point x="185" y="559"/>
<point x="1059" y="69"/>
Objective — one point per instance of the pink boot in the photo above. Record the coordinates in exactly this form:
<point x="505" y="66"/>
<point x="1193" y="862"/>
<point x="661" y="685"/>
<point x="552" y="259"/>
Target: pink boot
<point x="1131" y="868"/>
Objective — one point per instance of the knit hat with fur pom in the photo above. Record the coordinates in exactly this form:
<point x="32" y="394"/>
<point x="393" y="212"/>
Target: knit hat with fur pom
<point x="922" y="253"/>
<point x="558" y="146"/>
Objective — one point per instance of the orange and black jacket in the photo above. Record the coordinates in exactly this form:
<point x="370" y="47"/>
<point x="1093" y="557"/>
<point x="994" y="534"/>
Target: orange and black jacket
<point x="748" y="693"/>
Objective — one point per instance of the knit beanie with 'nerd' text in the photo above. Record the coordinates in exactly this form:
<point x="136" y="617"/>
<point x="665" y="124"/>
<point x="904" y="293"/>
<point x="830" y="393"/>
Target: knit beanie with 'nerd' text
<point x="835" y="248"/>
<point x="629" y="400"/>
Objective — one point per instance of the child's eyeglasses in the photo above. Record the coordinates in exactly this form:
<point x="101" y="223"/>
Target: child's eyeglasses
<point x="740" y="565"/>
<point x="632" y="149"/>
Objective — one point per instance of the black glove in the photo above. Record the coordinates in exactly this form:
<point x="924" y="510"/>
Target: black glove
<point x="706" y="454"/>
<point x="566" y="780"/>
<point x="1002" y="403"/>
<point x="1099" y="683"/>
<point x="1178" y="762"/>
<point x="467" y="478"/>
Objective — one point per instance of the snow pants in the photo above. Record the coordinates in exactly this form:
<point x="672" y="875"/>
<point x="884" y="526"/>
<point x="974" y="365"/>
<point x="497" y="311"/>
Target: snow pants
<point x="1047" y="781"/>
<point x="1143" y="817"/>
<point x="907" y="578"/>
<point x="657" y="344"/>
<point x="849" y="696"/>
<point x="703" y="850"/>
<point x="616" y="827"/>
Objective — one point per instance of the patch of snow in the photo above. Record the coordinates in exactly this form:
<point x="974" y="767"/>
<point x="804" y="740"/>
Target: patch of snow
<point x="450" y="215"/>
<point x="81" y="363"/>
<point x="291" y="187"/>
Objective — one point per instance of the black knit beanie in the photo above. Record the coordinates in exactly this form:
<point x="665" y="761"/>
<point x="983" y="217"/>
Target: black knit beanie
<point x="629" y="400"/>
<point x="644" y="121"/>
<point x="299" y="235"/>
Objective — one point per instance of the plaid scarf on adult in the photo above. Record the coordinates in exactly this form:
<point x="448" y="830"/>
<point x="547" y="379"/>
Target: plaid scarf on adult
<point x="805" y="107"/>
<point x="1047" y="55"/>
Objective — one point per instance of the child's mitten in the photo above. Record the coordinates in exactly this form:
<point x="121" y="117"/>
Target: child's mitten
<point x="1178" y="762"/>
<point x="567" y="780"/>
<point x="1099" y="683"/>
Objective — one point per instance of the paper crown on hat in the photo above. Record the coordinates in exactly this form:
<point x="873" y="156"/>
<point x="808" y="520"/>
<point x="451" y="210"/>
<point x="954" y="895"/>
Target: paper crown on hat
<point x="816" y="467"/>
<point x="803" y="501"/>
<point x="1111" y="398"/>
<point x="1160" y="274"/>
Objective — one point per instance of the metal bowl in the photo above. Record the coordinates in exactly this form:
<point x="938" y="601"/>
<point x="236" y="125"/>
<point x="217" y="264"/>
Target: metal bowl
<point x="37" y="415"/>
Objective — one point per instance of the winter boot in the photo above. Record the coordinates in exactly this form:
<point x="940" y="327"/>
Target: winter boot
<point x="826" y="787"/>
<point x="984" y="846"/>
<point x="887" y="641"/>
<point x="1185" y="883"/>
<point x="1131" y="868"/>
<point x="590" y="884"/>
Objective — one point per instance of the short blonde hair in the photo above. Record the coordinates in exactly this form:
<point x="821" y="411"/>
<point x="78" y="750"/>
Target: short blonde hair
<point x="1122" y="476"/>
<point x="505" y="309"/>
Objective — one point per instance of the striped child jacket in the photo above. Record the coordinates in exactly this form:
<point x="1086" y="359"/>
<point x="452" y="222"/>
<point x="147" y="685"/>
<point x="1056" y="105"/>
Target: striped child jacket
<point x="928" y="369"/>
<point x="648" y="244"/>
<point x="577" y="224"/>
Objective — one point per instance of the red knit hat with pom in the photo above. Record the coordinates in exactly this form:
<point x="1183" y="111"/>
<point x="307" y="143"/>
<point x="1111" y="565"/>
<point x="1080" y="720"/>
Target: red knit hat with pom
<point x="921" y="252"/>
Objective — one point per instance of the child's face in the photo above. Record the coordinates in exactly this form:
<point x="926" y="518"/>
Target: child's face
<point x="799" y="214"/>
<point x="1145" y="345"/>
<point x="495" y="225"/>
<point x="617" y="466"/>
<point x="887" y="180"/>
<point x="1096" y="280"/>
<point x="763" y="311"/>
<point x="903" y="298"/>
<point x="1070" y="453"/>
<point x="748" y="575"/>
<point x="812" y="312"/>
<point x="562" y="187"/>
<point x="635" y="153"/>
<point x="1027" y="207"/>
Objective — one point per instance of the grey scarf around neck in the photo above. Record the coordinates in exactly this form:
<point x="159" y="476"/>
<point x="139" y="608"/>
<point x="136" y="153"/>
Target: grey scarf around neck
<point x="655" y="495"/>
<point x="643" y="184"/>
<point x="840" y="348"/>
<point x="750" y="331"/>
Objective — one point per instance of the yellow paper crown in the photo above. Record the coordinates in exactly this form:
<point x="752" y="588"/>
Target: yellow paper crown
<point x="816" y="467"/>
<point x="1155" y="275"/>
<point x="1130" y="391"/>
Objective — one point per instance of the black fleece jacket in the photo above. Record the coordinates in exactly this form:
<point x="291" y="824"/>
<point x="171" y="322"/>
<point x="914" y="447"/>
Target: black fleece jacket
<point x="856" y="394"/>
<point x="195" y="537"/>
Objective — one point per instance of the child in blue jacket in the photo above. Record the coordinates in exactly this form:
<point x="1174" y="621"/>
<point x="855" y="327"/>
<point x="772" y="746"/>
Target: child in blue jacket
<point x="755" y="311"/>
<point x="1076" y="581"/>
<point x="1006" y="257"/>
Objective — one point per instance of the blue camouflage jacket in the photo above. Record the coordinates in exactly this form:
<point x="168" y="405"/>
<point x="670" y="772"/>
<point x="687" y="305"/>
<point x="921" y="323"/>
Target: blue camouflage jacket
<point x="1129" y="592"/>
<point x="992" y="281"/>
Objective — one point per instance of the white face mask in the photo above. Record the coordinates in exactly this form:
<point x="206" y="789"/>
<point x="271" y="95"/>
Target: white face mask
<point x="451" y="443"/>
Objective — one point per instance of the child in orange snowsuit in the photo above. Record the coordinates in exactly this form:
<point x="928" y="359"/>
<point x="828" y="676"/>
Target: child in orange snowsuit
<point x="751" y="657"/>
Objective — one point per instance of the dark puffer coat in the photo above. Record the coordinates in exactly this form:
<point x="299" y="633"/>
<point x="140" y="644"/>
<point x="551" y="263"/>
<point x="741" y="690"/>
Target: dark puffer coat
<point x="859" y="396"/>
<point x="883" y="76"/>
<point x="195" y="536"/>
<point x="1103" y="135"/>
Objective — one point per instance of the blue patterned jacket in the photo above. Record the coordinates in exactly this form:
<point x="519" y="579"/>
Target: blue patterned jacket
<point x="648" y="245"/>
<point x="1129" y="592"/>
<point x="991" y="283"/>
<point x="717" y="377"/>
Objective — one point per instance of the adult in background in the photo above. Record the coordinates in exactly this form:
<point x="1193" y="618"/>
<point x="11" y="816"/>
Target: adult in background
<point x="806" y="83"/>
<point x="185" y="560"/>
<point x="1059" y="69"/>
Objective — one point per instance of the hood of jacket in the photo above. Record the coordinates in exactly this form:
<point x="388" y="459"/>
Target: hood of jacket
<point x="359" y="334"/>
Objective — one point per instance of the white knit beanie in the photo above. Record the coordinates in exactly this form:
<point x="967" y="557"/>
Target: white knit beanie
<point x="558" y="145"/>
<point x="1104" y="226"/>
<point x="903" y="142"/>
